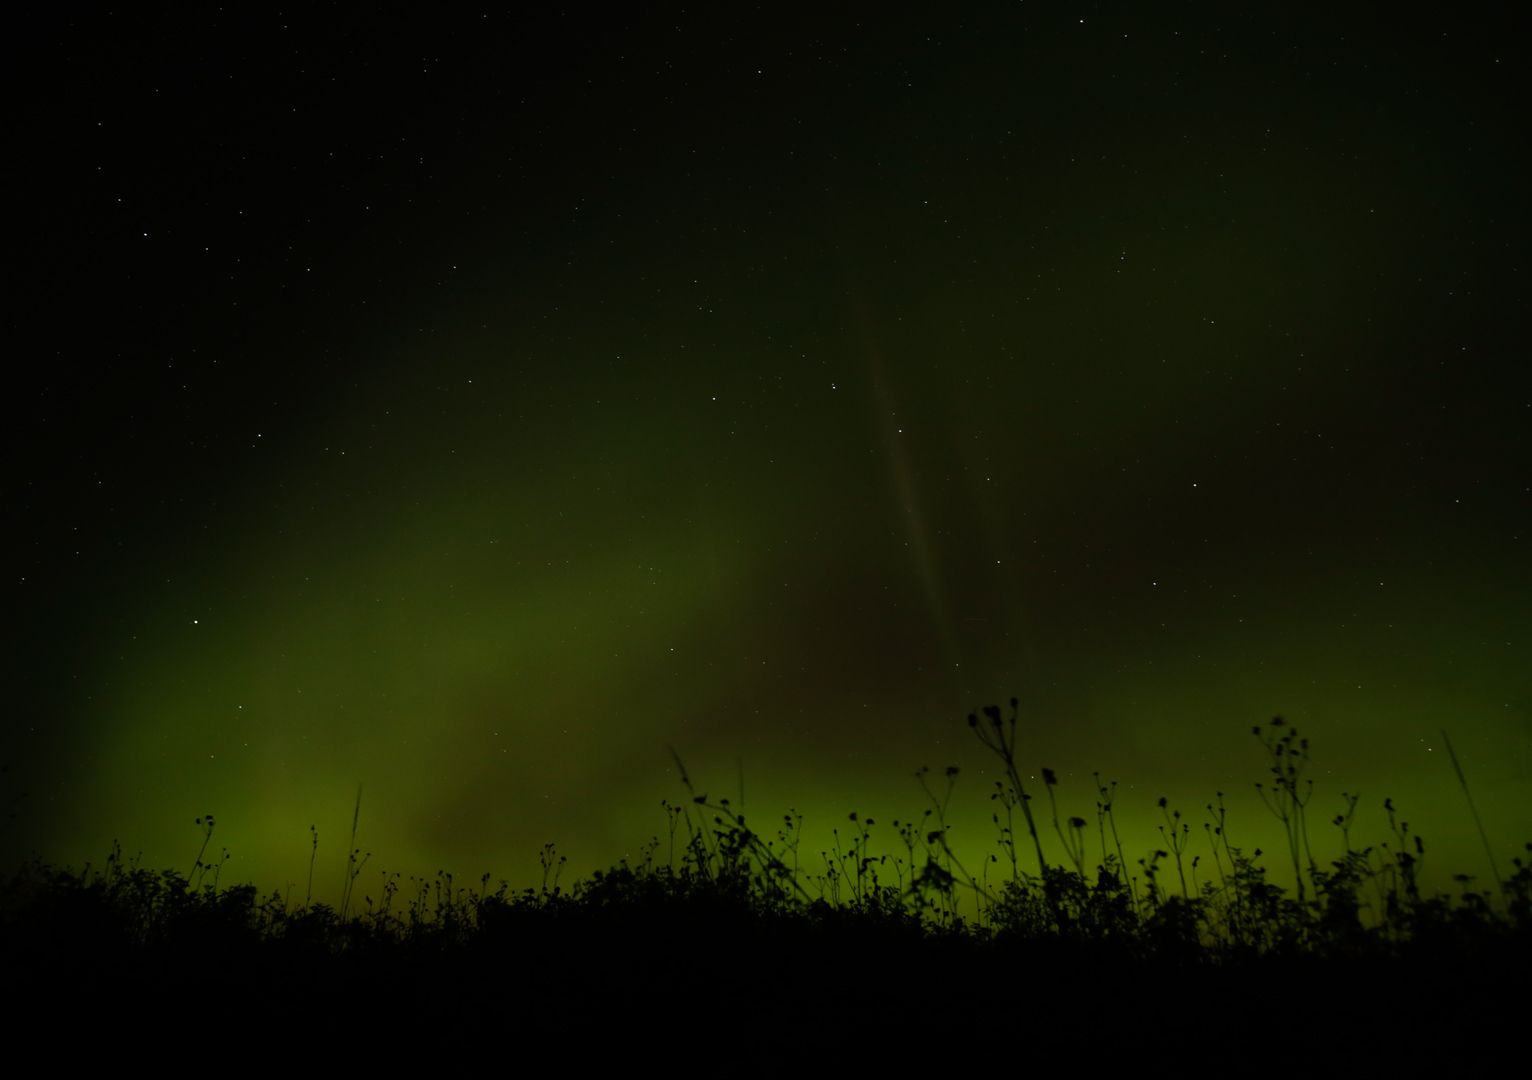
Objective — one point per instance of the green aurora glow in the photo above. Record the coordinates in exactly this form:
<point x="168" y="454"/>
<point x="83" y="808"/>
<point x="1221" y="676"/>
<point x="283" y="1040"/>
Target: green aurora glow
<point x="1166" y="416"/>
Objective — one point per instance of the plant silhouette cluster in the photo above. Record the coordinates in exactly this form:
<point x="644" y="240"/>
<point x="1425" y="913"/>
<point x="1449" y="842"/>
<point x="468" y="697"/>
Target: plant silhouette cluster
<point x="718" y="898"/>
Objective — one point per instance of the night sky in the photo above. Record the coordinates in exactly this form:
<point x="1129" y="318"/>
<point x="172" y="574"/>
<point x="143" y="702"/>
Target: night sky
<point x="471" y="409"/>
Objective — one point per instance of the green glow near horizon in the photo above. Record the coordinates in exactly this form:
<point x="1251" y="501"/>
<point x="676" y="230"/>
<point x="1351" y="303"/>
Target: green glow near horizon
<point x="500" y="651"/>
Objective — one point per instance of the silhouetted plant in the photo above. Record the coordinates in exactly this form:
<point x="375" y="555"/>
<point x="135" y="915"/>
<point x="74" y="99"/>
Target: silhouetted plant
<point x="723" y="873"/>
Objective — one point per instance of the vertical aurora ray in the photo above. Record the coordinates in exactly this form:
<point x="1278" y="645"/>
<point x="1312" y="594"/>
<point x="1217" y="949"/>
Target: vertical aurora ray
<point x="909" y="503"/>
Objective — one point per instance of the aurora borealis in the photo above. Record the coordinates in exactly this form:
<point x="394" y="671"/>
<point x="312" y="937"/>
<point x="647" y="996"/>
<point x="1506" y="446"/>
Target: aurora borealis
<point x="471" y="412"/>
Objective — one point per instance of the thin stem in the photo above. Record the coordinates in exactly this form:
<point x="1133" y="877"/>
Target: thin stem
<point x="1463" y="782"/>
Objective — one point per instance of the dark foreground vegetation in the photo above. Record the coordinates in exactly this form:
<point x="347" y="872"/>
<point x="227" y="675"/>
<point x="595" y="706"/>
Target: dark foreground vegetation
<point x="724" y="944"/>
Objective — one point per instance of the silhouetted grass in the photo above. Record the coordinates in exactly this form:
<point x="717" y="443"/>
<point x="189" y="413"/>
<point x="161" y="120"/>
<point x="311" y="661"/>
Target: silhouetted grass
<point x="738" y="936"/>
